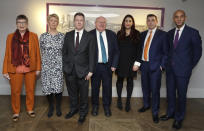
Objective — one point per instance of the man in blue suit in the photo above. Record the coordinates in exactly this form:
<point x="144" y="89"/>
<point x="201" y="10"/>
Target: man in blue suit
<point x="154" y="56"/>
<point x="184" y="53"/>
<point x="106" y="63"/>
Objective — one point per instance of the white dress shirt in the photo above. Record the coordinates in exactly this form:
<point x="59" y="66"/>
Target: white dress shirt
<point x="99" y="45"/>
<point x="80" y="35"/>
<point x="148" y="33"/>
<point x="180" y="31"/>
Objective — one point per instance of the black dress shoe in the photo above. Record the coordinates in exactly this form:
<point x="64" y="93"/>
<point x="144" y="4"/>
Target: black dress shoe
<point x="177" y="124"/>
<point x="107" y="112"/>
<point x="59" y="113"/>
<point x="94" y="111"/>
<point x="127" y="107"/>
<point x="166" y="117"/>
<point x="119" y="104"/>
<point x="143" y="109"/>
<point x="70" y="114"/>
<point x="155" y="118"/>
<point x="81" y="119"/>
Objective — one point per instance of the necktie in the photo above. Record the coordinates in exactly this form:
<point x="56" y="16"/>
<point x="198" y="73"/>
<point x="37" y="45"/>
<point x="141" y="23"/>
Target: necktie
<point x="176" y="38"/>
<point x="77" y="41"/>
<point x="103" y="50"/>
<point x="147" y="46"/>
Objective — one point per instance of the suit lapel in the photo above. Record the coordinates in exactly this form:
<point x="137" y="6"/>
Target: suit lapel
<point x="72" y="40"/>
<point x="153" y="42"/>
<point x="182" y="37"/>
<point x="143" y="39"/>
<point x="171" y="37"/>
<point x="29" y="46"/>
<point x="154" y="38"/>
<point x="108" y="41"/>
<point x="83" y="39"/>
<point x="95" y="36"/>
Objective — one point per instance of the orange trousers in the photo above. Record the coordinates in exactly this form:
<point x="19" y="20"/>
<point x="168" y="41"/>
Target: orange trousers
<point x="16" y="82"/>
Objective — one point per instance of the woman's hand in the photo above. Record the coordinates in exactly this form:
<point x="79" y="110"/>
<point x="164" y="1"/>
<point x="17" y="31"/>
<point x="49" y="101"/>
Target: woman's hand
<point x="37" y="73"/>
<point x="6" y="76"/>
<point x="135" y="68"/>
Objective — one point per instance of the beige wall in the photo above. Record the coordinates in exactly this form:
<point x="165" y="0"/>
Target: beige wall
<point x="36" y="11"/>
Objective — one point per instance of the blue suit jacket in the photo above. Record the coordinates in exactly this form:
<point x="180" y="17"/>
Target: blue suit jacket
<point x="186" y="55"/>
<point x="113" y="50"/>
<point x="158" y="51"/>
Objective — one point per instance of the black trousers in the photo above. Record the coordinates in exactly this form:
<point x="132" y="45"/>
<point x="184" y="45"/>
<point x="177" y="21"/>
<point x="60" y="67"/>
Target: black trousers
<point x="78" y="92"/>
<point x="119" y="86"/>
<point x="102" y="75"/>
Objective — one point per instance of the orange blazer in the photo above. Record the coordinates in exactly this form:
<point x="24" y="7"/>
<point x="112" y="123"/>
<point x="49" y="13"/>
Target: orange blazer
<point x="34" y="54"/>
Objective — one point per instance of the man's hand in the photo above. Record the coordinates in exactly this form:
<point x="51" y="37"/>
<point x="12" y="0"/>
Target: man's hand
<point x="160" y="68"/>
<point x="6" y="76"/>
<point x="88" y="76"/>
<point x="113" y="69"/>
<point x="135" y="68"/>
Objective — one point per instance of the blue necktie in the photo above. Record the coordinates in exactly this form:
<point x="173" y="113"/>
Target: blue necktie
<point x="176" y="38"/>
<point x="103" y="49"/>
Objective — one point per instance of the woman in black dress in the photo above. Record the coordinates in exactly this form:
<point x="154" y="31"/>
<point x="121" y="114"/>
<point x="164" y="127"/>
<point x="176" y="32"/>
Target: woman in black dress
<point x="130" y="53"/>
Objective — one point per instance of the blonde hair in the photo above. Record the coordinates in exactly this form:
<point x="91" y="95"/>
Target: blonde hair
<point x="53" y="15"/>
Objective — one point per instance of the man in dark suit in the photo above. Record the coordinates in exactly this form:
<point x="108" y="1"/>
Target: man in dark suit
<point x="154" y="56"/>
<point x="78" y="64"/>
<point x="106" y="62"/>
<point x="184" y="53"/>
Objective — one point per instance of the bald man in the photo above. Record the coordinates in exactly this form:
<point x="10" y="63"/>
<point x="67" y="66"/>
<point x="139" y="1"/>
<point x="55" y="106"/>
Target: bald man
<point x="184" y="53"/>
<point x="106" y="63"/>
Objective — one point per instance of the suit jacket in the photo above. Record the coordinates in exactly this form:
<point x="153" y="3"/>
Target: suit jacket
<point x="83" y="59"/>
<point x="186" y="55"/>
<point x="158" y="51"/>
<point x="34" y="54"/>
<point x="113" y="50"/>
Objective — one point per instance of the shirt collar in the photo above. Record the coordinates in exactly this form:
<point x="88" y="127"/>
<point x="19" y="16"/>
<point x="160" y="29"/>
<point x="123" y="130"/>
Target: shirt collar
<point x="80" y="31"/>
<point x="181" y="29"/>
<point x="101" y="32"/>
<point x="153" y="30"/>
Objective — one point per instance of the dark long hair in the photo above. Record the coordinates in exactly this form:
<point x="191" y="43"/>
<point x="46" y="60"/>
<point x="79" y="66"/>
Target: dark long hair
<point x="134" y="34"/>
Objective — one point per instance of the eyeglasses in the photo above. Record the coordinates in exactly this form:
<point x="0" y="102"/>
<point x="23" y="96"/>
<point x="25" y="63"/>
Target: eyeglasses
<point x="21" y="23"/>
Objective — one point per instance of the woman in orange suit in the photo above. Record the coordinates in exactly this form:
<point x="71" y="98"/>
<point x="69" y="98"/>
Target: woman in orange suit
<point x="22" y="61"/>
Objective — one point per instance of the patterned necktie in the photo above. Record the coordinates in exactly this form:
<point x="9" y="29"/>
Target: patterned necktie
<point x="103" y="49"/>
<point x="77" y="41"/>
<point x="147" y="46"/>
<point x="176" y="39"/>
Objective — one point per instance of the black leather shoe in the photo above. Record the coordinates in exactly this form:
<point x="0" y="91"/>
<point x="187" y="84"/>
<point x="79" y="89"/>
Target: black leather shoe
<point x="127" y="107"/>
<point x="81" y="119"/>
<point x="166" y="117"/>
<point x="59" y="113"/>
<point x="177" y="124"/>
<point x="70" y="114"/>
<point x="94" y="111"/>
<point x="107" y="112"/>
<point x="155" y="118"/>
<point x="119" y="104"/>
<point x="143" y="109"/>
